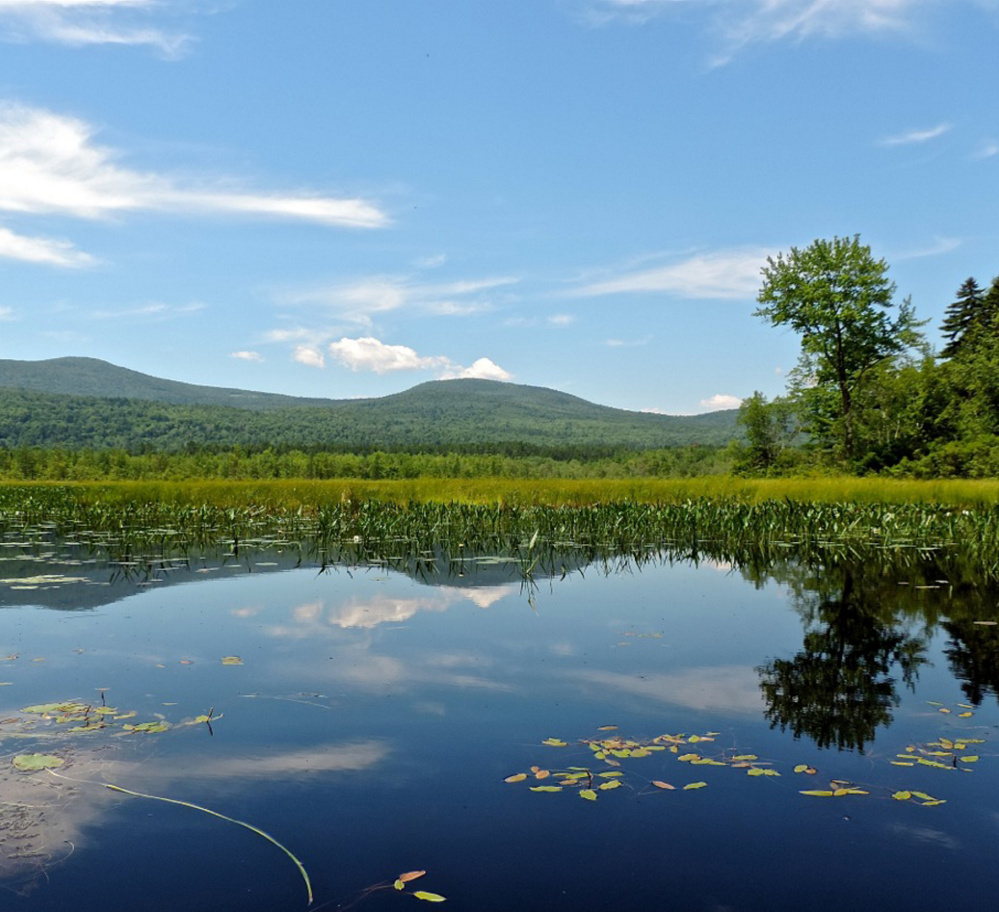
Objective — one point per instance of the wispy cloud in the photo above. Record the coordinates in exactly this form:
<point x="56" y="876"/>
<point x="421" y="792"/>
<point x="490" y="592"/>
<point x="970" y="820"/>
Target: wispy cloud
<point x="987" y="148"/>
<point x="722" y="274"/>
<point x="360" y="301"/>
<point x="50" y="163"/>
<point x="45" y="251"/>
<point x="915" y="137"/>
<point x="940" y="245"/>
<point x="79" y="23"/>
<point x="6" y="313"/>
<point x="370" y="354"/>
<point x="740" y="23"/>
<point x="152" y="310"/>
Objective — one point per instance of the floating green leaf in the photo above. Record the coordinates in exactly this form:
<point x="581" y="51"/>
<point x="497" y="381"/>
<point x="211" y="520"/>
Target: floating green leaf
<point x="818" y="793"/>
<point x="694" y="785"/>
<point x="546" y="788"/>
<point x="588" y="794"/>
<point x="428" y="897"/>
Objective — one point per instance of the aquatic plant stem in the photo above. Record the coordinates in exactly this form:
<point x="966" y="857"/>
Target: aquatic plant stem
<point x="242" y="823"/>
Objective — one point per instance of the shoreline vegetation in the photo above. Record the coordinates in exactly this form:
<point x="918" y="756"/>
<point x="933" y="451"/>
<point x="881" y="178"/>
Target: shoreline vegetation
<point x="545" y="527"/>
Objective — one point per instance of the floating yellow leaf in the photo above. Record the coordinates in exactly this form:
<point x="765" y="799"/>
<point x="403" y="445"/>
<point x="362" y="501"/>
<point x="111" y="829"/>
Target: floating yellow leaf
<point x="687" y="758"/>
<point x="399" y="885"/>
<point x="746" y="757"/>
<point x="971" y="759"/>
<point x="694" y="785"/>
<point x="902" y="796"/>
<point x="612" y="784"/>
<point x="516" y="777"/>
<point x="554" y="742"/>
<point x="546" y="788"/>
<point x="588" y="794"/>
<point x="658" y="783"/>
<point x="901" y="763"/>
<point x="231" y="660"/>
<point x="933" y="802"/>
<point x="805" y="768"/>
<point x="818" y="793"/>
<point x="429" y="897"/>
<point x="965" y="715"/>
<point x="943" y="709"/>
<point x="31" y="762"/>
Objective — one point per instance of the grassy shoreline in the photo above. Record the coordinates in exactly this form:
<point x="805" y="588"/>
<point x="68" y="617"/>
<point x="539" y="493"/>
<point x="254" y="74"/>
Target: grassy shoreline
<point x="307" y="494"/>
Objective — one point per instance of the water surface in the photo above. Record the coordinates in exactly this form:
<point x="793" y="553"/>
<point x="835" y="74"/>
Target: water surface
<point x="374" y="717"/>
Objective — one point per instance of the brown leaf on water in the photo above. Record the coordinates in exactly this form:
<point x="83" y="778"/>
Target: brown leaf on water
<point x="607" y="728"/>
<point x="541" y="774"/>
<point x="516" y="777"/>
<point x="411" y="875"/>
<point x="658" y="783"/>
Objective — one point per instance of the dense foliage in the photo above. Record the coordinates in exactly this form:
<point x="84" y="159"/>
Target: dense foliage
<point x="889" y="405"/>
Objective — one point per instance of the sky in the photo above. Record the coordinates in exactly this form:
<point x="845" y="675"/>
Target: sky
<point x="346" y="198"/>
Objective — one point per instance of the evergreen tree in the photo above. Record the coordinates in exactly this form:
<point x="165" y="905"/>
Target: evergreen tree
<point x="961" y="316"/>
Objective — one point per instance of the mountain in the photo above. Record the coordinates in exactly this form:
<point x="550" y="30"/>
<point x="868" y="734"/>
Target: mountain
<point x="93" y="377"/>
<point x="83" y="402"/>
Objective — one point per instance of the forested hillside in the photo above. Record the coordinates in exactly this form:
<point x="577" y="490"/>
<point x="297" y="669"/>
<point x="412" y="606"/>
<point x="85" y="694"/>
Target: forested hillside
<point x="457" y="413"/>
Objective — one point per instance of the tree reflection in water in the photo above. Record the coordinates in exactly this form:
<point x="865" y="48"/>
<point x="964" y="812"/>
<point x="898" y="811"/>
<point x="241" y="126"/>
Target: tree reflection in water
<point x="843" y="684"/>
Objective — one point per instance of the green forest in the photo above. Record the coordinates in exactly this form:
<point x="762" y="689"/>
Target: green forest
<point x="869" y="396"/>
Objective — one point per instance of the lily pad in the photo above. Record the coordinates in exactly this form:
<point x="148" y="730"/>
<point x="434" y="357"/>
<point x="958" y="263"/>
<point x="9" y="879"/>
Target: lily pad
<point x="31" y="762"/>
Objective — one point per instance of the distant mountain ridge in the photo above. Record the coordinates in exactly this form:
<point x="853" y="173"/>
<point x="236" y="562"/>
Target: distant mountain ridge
<point x="85" y="402"/>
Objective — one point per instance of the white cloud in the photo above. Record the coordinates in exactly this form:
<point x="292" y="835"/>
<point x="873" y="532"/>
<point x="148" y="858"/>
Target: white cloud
<point x="309" y="356"/>
<point x="370" y="354"/>
<point x="50" y="164"/>
<point x="723" y="274"/>
<point x="913" y="137"/>
<point x="561" y="319"/>
<point x="430" y="262"/>
<point x="44" y="251"/>
<point x="6" y="313"/>
<point x="88" y="22"/>
<point x="247" y="356"/>
<point x="482" y="369"/>
<point x="721" y="401"/>
<point x="623" y="343"/>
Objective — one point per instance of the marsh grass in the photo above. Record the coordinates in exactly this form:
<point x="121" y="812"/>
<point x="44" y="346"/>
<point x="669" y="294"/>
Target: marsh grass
<point x="542" y="525"/>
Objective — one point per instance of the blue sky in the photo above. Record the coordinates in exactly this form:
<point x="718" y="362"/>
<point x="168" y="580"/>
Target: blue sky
<point x="345" y="198"/>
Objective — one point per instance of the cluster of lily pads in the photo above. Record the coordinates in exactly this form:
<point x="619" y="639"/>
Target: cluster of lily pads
<point x="610" y="750"/>
<point x="74" y="717"/>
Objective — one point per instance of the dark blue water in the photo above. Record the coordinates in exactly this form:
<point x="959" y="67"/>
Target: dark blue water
<point x="374" y="718"/>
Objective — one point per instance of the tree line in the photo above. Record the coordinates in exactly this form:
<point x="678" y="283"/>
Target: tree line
<point x="869" y="394"/>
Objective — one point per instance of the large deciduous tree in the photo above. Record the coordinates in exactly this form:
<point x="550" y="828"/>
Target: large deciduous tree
<point x="838" y="297"/>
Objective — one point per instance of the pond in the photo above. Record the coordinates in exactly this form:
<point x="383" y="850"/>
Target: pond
<point x="652" y="734"/>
